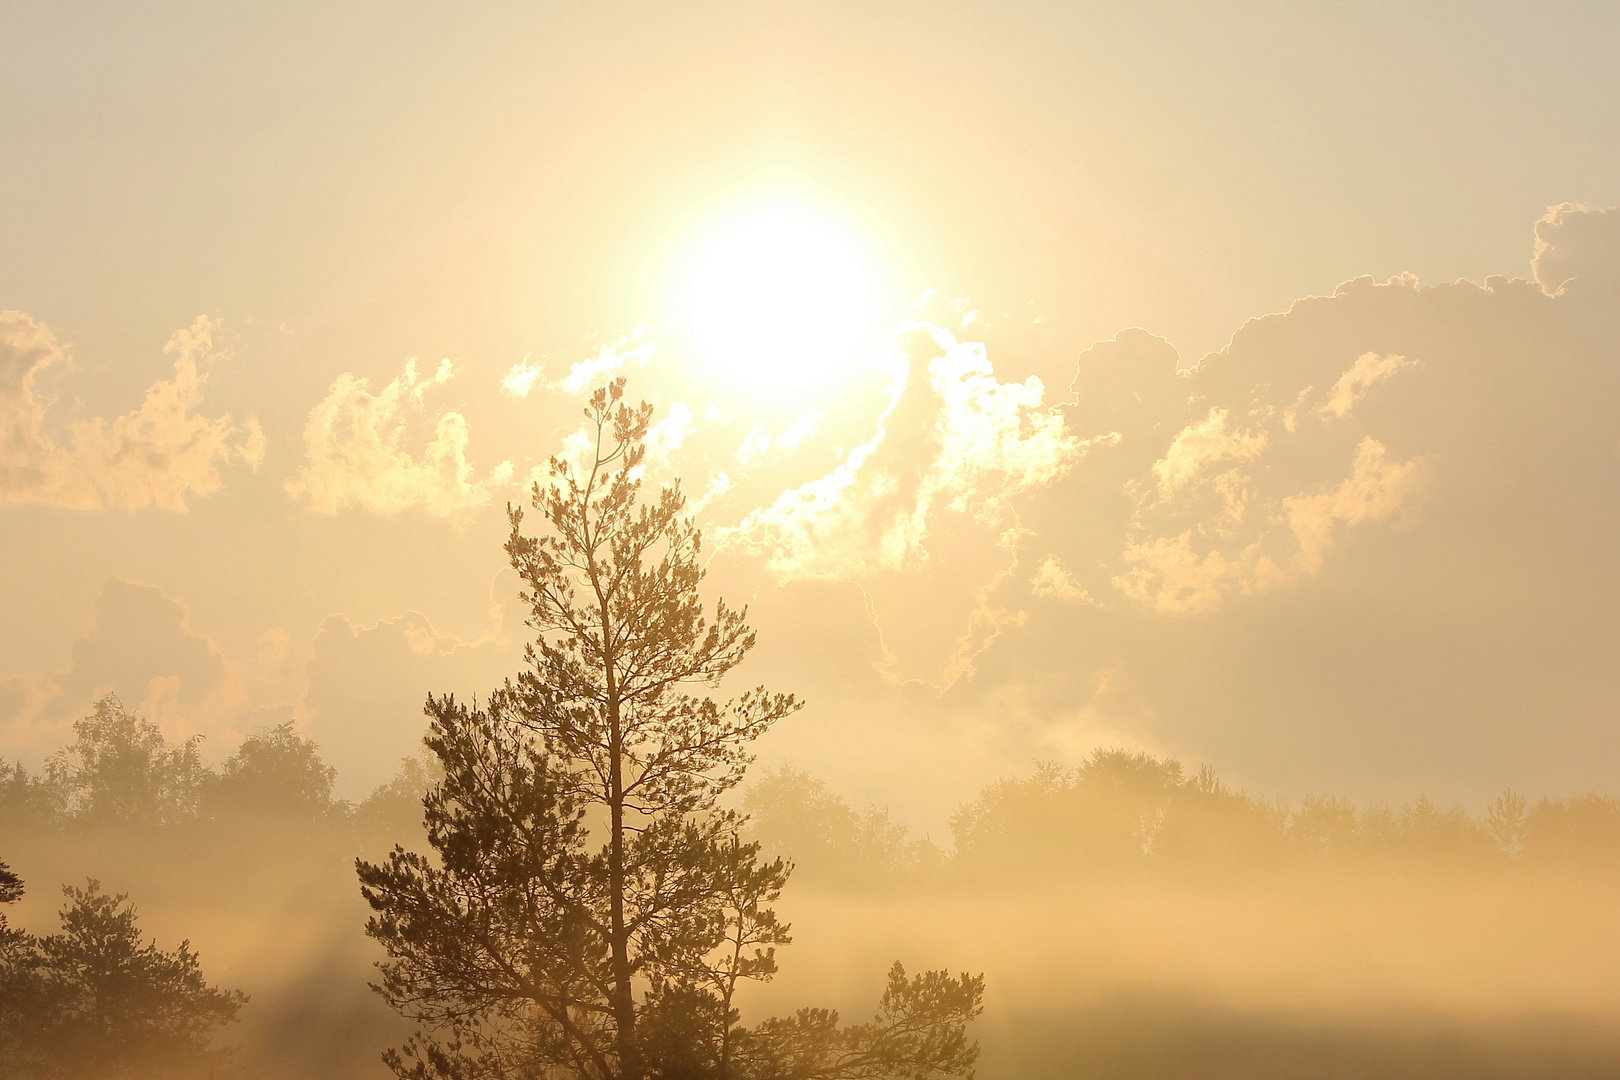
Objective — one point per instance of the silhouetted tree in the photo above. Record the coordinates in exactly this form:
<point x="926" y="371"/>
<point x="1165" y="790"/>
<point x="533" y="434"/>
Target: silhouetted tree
<point x="275" y="772"/>
<point x="1578" y="831"/>
<point x="792" y="812"/>
<point x="94" y="1001"/>
<point x="11" y="887"/>
<point x="121" y="769"/>
<point x="20" y="985"/>
<point x="29" y="801"/>
<point x="1430" y="834"/>
<point x="1505" y="820"/>
<point x="1115" y="808"/>
<point x="1325" y="825"/>
<point x="394" y="810"/>
<point x="789" y="810"/>
<point x="591" y="908"/>
<point x="906" y="1038"/>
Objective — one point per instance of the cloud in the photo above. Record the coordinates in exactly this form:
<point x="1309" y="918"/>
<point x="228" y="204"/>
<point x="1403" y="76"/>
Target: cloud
<point x="631" y="350"/>
<point x="1368" y="370"/>
<point x="1201" y="445"/>
<point x="156" y="455"/>
<point x="666" y="436"/>
<point x="1053" y="579"/>
<point x="800" y="430"/>
<point x="140" y="646"/>
<point x="929" y="493"/>
<point x="953" y="442"/>
<point x="754" y="446"/>
<point x="1207" y="480"/>
<point x="1253" y="543"/>
<point x="1577" y="246"/>
<point x="367" y="684"/>
<point x="1375" y="489"/>
<point x="520" y="379"/>
<point x="356" y="455"/>
<point x="1367" y="546"/>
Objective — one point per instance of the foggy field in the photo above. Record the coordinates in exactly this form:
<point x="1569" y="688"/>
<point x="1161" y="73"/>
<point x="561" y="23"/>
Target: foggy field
<point x="1149" y="974"/>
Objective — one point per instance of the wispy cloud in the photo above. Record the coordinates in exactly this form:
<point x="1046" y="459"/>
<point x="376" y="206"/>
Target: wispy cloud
<point x="519" y="379"/>
<point x="357" y="455"/>
<point x="1369" y="370"/>
<point x="155" y="455"/>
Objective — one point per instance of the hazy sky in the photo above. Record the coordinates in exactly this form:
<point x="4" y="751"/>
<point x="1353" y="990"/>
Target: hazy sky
<point x="1366" y="546"/>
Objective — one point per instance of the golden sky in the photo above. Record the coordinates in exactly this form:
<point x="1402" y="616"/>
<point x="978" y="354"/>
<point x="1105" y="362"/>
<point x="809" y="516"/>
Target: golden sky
<point x="1238" y="385"/>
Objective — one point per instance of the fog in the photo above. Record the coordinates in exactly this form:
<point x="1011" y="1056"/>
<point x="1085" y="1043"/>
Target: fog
<point x="1132" y="918"/>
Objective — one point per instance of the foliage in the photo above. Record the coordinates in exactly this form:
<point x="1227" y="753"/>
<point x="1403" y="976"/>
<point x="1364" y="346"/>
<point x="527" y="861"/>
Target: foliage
<point x="592" y="909"/>
<point x="394" y="809"/>
<point x="1579" y="831"/>
<point x="1505" y="821"/>
<point x="791" y="811"/>
<point x="93" y="1000"/>
<point x="919" y="1032"/>
<point x="34" y="800"/>
<point x="275" y="772"/>
<point x="121" y="769"/>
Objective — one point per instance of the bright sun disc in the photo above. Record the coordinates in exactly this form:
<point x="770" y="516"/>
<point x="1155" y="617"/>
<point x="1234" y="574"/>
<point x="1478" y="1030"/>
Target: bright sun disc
<point x="780" y="302"/>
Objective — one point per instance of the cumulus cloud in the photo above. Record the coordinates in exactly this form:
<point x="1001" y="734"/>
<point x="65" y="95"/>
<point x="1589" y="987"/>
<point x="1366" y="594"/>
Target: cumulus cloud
<point x="156" y="455"/>
<point x="1218" y="491"/>
<point x="666" y="436"/>
<point x="1577" y="246"/>
<point x="954" y="441"/>
<point x="367" y="684"/>
<point x="1199" y="446"/>
<point x="755" y="445"/>
<point x="1374" y="490"/>
<point x="356" y="450"/>
<point x="1368" y="545"/>
<point x="139" y="645"/>
<point x="1284" y="539"/>
<point x="930" y="492"/>
<point x="631" y="351"/>
<point x="800" y="430"/>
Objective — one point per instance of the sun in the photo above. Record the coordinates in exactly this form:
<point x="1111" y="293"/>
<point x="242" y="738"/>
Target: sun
<point x="780" y="302"/>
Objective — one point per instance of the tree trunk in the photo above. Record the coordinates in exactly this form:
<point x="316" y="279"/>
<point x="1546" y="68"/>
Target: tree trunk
<point x="624" y="1003"/>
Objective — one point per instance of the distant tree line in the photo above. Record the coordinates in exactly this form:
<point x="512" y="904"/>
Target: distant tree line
<point x="120" y="772"/>
<point x="1122" y="809"/>
<point x="1116" y="808"/>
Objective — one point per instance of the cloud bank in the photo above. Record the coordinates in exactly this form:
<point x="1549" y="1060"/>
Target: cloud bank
<point x="1368" y="546"/>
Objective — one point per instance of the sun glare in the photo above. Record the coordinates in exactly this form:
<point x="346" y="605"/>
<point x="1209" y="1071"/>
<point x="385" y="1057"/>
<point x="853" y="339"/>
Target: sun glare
<point x="780" y="302"/>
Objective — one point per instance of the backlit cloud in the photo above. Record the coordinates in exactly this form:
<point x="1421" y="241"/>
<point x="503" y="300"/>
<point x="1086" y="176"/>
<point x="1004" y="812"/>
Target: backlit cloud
<point x="156" y="455"/>
<point x="1576" y="243"/>
<point x="140" y="646"/>
<point x="953" y="442"/>
<point x="519" y="379"/>
<point x="366" y="684"/>
<point x="357" y="452"/>
<point x="1368" y="370"/>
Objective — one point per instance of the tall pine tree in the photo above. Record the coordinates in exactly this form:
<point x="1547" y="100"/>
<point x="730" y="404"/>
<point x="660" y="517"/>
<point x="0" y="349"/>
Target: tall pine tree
<point x="592" y="909"/>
